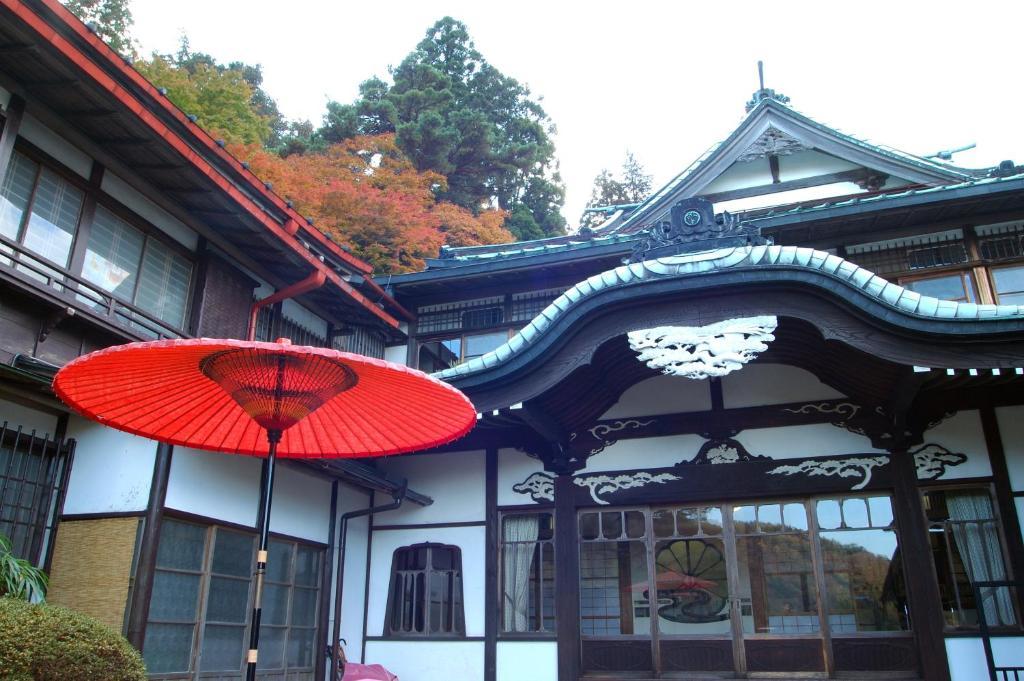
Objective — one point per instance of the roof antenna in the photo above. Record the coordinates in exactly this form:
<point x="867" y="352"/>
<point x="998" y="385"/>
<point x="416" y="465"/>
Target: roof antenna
<point x="760" y="73"/>
<point x="764" y="93"/>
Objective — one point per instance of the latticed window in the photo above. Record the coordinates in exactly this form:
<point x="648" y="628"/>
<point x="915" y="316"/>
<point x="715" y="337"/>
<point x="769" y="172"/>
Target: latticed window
<point x="913" y="253"/>
<point x="527" y="305"/>
<point x="202" y="597"/>
<point x="425" y="598"/>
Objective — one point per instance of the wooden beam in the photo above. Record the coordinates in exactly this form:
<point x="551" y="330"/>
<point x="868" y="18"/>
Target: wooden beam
<point x="12" y="123"/>
<point x="789" y="185"/>
<point x="492" y="588"/>
<point x="567" y="579"/>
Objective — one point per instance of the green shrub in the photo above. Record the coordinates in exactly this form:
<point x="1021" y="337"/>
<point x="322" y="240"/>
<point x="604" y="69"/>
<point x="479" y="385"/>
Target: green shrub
<point x="47" y="643"/>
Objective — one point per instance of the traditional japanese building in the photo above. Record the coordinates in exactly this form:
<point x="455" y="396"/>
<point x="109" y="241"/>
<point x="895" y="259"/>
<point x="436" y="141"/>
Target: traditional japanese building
<point x="766" y="423"/>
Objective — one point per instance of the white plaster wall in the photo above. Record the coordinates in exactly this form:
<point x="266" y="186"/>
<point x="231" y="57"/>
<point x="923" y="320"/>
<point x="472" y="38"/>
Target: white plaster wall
<point x="650" y="452"/>
<point x="795" y="442"/>
<point x="455" y="481"/>
<point x="296" y="312"/>
<point x="760" y="384"/>
<point x="112" y="471"/>
<point x="661" y="395"/>
<point x="521" y="660"/>
<point x="430" y="660"/>
<point x="967" y="656"/>
<point x="157" y="216"/>
<point x="55" y="145"/>
<point x="1011" y="429"/>
<point x="221" y="486"/>
<point x="15" y="414"/>
<point x="962" y="433"/>
<point x="470" y="541"/>
<point x="396" y="353"/>
<point x="302" y="504"/>
<point x="352" y="602"/>
<point x="514" y="466"/>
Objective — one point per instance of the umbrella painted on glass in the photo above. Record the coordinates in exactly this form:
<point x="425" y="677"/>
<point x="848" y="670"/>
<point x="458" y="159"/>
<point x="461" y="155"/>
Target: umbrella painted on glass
<point x="264" y="399"/>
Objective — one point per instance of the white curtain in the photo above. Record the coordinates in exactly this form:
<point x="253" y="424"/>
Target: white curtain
<point x="520" y="543"/>
<point x="980" y="551"/>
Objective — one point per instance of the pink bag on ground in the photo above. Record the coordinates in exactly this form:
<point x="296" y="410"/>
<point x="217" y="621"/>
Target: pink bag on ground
<point x="366" y="672"/>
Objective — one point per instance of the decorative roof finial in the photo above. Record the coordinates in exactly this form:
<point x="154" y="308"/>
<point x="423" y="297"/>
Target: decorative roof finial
<point x="764" y="92"/>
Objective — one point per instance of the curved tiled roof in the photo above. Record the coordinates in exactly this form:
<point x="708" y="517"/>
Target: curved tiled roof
<point x="745" y="257"/>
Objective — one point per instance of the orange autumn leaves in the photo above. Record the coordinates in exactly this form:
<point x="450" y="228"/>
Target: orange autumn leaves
<point x="365" y="193"/>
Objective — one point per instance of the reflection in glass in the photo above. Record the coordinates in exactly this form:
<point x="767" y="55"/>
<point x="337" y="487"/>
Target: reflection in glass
<point x="777" y="580"/>
<point x="830" y="517"/>
<point x="613" y="588"/>
<point x="864" y="581"/>
<point x="855" y="512"/>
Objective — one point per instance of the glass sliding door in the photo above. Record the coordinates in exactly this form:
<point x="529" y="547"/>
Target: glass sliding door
<point x="775" y="586"/>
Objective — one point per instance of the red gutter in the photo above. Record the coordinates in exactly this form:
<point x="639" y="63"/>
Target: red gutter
<point x="117" y="61"/>
<point x="389" y="300"/>
<point x="49" y="34"/>
<point x="313" y="281"/>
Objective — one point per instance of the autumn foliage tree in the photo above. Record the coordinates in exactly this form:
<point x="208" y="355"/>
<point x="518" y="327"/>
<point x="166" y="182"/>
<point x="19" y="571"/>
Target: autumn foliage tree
<point x="364" y="192"/>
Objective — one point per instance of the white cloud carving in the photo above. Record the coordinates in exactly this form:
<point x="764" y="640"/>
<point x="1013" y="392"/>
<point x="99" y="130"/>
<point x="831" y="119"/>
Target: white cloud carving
<point x="698" y="352"/>
<point x="853" y="467"/>
<point x="541" y="486"/>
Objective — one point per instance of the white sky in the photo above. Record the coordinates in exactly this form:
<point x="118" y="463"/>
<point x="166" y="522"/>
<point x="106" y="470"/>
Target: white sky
<point x="662" y="79"/>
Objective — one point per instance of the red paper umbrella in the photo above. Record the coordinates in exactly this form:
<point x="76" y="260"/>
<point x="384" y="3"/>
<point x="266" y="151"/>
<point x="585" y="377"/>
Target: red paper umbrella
<point x="264" y="399"/>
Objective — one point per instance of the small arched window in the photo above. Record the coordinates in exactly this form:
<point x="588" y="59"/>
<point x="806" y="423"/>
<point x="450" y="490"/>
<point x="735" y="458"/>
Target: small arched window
<point x="425" y="596"/>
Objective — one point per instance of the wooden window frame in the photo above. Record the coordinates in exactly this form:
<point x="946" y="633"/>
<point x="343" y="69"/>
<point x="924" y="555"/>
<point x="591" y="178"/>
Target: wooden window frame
<point x="962" y="272"/>
<point x="537" y="629"/>
<point x="457" y="606"/>
<point x="991" y="271"/>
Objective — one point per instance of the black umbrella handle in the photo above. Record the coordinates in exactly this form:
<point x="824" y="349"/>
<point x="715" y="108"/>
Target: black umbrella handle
<point x="273" y="436"/>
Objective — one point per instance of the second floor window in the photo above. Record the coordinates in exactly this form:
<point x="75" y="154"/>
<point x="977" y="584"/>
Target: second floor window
<point x="1009" y="285"/>
<point x="958" y="286"/>
<point x="425" y="598"/>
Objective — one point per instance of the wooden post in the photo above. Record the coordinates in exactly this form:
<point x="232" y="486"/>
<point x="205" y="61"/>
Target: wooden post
<point x="1004" y="495"/>
<point x="919" y="571"/>
<point x="143" y="587"/>
<point x="15" y="113"/>
<point x="492" y="588"/>
<point x="567" y="579"/>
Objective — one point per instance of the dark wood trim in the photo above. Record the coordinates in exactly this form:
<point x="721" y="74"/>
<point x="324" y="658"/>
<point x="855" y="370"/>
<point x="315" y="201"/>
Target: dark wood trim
<point x="567" y="586"/>
<point x="12" y="124"/>
<point x="326" y="579"/>
<point x="84" y="228"/>
<point x="788" y="185"/>
<point x="536" y="637"/>
<point x="407" y="639"/>
<point x="72" y="517"/>
<point x="538" y="507"/>
<point x="428" y="526"/>
<point x="922" y="585"/>
<point x="492" y="589"/>
<point x="366" y="577"/>
<point x="1004" y="495"/>
<point x="142" y="589"/>
<point x="208" y="520"/>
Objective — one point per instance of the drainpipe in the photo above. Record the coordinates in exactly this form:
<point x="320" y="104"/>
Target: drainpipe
<point x="399" y="497"/>
<point x="314" y="281"/>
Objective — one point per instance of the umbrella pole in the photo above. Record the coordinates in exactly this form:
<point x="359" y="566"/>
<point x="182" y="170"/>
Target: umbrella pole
<point x="273" y="436"/>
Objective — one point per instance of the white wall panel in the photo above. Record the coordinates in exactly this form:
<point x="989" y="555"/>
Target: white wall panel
<point x="661" y="395"/>
<point x="397" y="354"/>
<point x="55" y="145"/>
<point x="15" y="414"/>
<point x="650" y="452"/>
<point x="471" y="542"/>
<point x="221" y="486"/>
<point x="759" y="384"/>
<point x="794" y="442"/>
<point x="967" y="656"/>
<point x="430" y="660"/>
<point x="962" y="433"/>
<point x="112" y="471"/>
<point x="304" y="317"/>
<point x="302" y="504"/>
<point x="515" y="466"/>
<point x="533" y="660"/>
<point x="1011" y="430"/>
<point x="455" y="482"/>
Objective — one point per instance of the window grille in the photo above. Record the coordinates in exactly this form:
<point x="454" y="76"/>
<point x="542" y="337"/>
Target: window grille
<point x="998" y="242"/>
<point x="288" y="328"/>
<point x="33" y="478"/>
<point x="456" y="315"/>
<point x="913" y="253"/>
<point x="527" y="305"/>
<point x="425" y="598"/>
<point x="362" y="341"/>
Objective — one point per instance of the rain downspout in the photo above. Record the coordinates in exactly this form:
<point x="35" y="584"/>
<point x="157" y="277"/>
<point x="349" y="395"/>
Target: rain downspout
<point x="399" y="497"/>
<point x="314" y="281"/>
